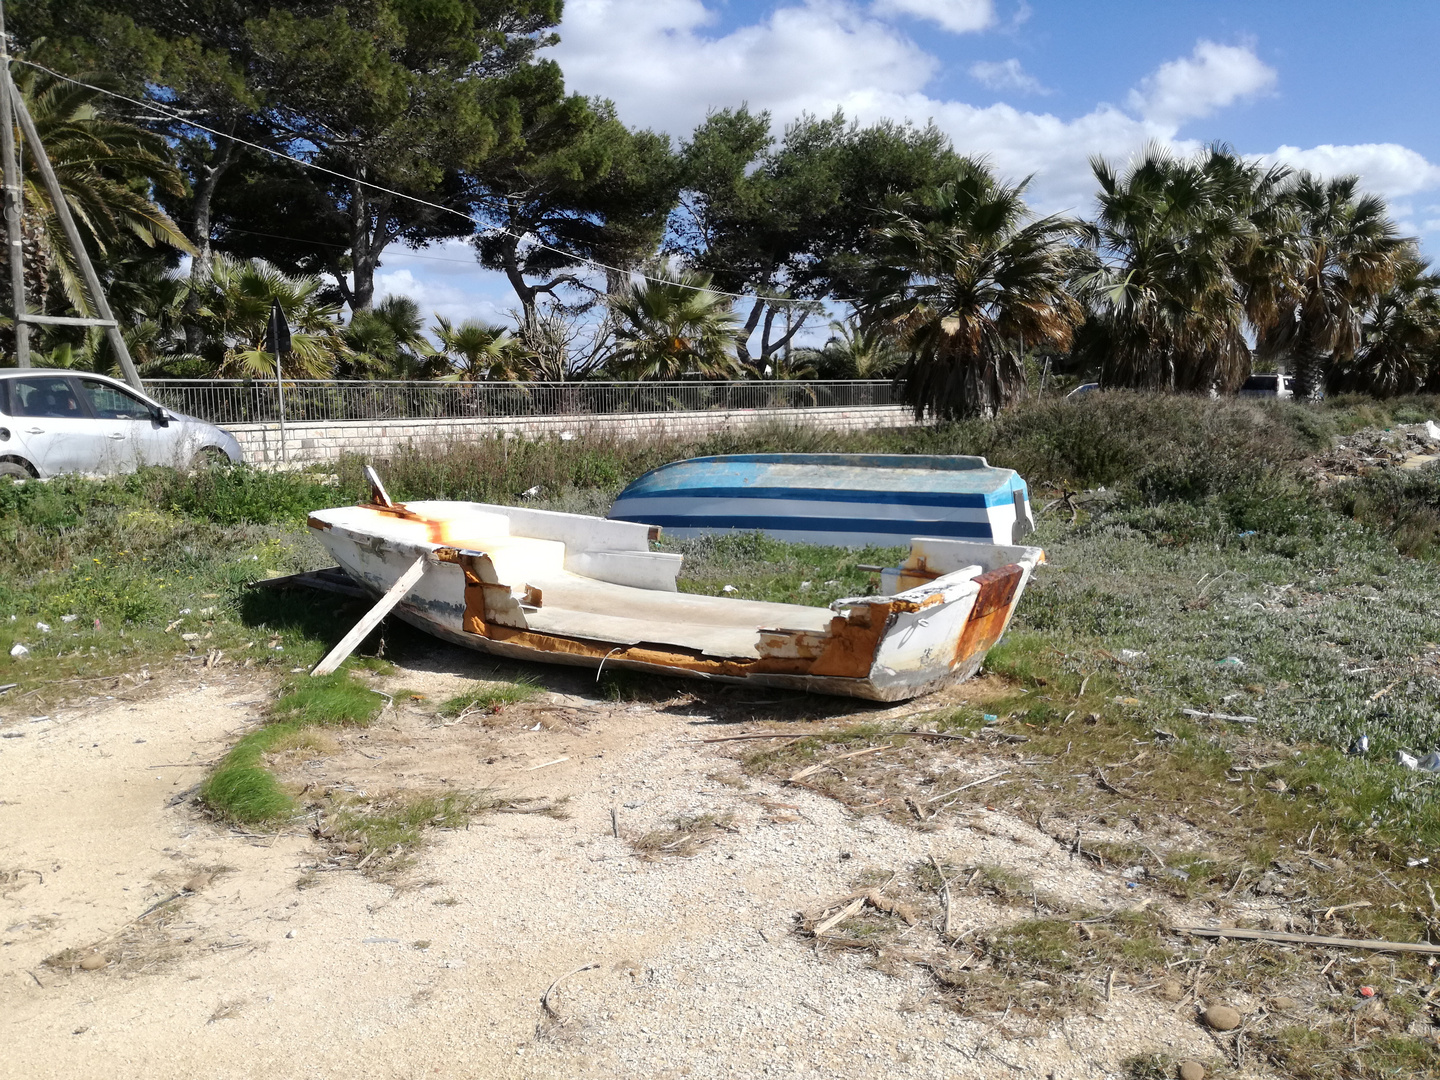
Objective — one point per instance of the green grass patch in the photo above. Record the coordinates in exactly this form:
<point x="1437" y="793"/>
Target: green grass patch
<point x="490" y="696"/>
<point x="328" y="701"/>
<point x="242" y="788"/>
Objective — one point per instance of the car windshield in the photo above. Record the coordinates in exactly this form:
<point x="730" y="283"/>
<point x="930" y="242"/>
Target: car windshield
<point x="44" y="396"/>
<point x="112" y="403"/>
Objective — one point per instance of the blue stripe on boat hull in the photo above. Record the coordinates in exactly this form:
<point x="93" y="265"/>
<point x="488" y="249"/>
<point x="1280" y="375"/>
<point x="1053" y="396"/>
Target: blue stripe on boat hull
<point x="978" y="500"/>
<point x="813" y="527"/>
<point x="674" y="506"/>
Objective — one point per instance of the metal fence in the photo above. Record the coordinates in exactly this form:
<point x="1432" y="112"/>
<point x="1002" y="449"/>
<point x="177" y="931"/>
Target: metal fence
<point x="245" y="401"/>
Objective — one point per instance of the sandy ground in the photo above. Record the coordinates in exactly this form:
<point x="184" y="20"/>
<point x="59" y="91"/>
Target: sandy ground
<point x="696" y="971"/>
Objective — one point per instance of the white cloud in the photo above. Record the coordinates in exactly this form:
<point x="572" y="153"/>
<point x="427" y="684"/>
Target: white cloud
<point x="1006" y="75"/>
<point x="1388" y="169"/>
<point x="445" y="279"/>
<point x="1212" y="77"/>
<point x="957" y="16"/>
<point x="653" y="58"/>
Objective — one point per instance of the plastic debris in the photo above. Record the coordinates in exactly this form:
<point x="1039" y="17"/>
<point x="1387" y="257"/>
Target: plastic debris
<point x="990" y="718"/>
<point x="1360" y="746"/>
<point x="729" y="589"/>
<point x="43" y="627"/>
<point x="804" y="585"/>
<point x="1408" y="760"/>
<point x="68" y="618"/>
<point x="189" y="637"/>
<point x="1127" y="701"/>
<point x="18" y="651"/>
<point x="1367" y="991"/>
<point x="1131" y="656"/>
<point x="1231" y="662"/>
<point x="1422" y="861"/>
<point x="530" y="493"/>
<point x="1432" y="431"/>
<point x="1429" y="763"/>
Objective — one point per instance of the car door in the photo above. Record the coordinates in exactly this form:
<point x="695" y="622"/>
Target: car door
<point x="59" y="433"/>
<point x="130" y="424"/>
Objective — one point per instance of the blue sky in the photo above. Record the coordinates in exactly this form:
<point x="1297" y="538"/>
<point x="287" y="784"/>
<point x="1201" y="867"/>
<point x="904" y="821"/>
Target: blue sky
<point x="1036" y="86"/>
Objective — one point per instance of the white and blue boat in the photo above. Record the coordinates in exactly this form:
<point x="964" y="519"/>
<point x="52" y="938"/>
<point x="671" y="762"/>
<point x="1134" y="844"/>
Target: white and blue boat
<point x="840" y="500"/>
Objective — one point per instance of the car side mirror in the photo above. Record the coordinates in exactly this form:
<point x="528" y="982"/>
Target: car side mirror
<point x="161" y="417"/>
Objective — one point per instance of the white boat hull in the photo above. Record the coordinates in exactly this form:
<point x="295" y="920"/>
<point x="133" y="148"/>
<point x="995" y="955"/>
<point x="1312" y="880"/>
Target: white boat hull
<point x="569" y="589"/>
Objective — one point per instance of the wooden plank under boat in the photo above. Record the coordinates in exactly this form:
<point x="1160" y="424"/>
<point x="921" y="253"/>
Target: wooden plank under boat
<point x="845" y="500"/>
<point x="572" y="589"/>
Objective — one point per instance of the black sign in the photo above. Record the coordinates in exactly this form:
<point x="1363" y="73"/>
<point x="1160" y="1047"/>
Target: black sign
<point x="277" y="332"/>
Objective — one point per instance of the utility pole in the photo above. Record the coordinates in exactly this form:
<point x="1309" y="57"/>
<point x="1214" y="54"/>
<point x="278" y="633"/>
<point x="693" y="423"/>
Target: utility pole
<point x="14" y="202"/>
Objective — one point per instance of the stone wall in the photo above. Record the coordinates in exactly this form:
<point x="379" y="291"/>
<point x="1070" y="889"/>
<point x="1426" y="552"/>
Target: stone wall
<point x="327" y="440"/>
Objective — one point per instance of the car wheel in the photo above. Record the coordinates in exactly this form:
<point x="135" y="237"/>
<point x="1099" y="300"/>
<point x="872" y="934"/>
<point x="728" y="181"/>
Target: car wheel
<point x="210" y="457"/>
<point x="11" y="471"/>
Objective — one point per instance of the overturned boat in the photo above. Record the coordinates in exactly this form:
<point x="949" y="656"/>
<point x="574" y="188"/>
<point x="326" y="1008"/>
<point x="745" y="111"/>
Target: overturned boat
<point x="572" y="589"/>
<point x="844" y="500"/>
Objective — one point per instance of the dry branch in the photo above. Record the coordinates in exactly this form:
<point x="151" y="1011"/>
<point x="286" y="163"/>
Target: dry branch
<point x="1238" y="934"/>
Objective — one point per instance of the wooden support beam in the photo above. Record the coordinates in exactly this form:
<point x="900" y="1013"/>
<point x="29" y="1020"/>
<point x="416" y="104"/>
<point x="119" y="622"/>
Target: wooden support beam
<point x="14" y="203"/>
<point x="351" y="641"/>
<point x="72" y="233"/>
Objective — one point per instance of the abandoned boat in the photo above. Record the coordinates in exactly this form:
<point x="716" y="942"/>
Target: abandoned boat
<point x="843" y="500"/>
<point x="571" y="589"/>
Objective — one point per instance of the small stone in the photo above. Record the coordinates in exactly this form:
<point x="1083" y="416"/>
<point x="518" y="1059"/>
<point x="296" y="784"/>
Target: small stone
<point x="1171" y="990"/>
<point x="198" y="882"/>
<point x="1192" y="1070"/>
<point x="352" y="848"/>
<point x="93" y="962"/>
<point x="289" y="933"/>
<point x="1284" y="1004"/>
<point x="1222" y="1018"/>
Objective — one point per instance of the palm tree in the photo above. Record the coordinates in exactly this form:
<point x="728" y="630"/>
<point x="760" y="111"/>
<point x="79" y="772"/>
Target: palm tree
<point x="1349" y="255"/>
<point x="962" y="276"/>
<point x="1184" y="256"/>
<point x="234" y="310"/>
<point x="106" y="169"/>
<point x="671" y="326"/>
<point x="388" y="342"/>
<point x="857" y="351"/>
<point x="476" y="350"/>
<point x="1400" y="340"/>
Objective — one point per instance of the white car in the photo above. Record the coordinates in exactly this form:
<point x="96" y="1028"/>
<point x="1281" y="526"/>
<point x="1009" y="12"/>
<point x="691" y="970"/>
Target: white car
<point x="54" y="421"/>
<point x="1268" y="386"/>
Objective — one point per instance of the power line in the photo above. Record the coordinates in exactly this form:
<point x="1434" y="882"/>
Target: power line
<point x="591" y="263"/>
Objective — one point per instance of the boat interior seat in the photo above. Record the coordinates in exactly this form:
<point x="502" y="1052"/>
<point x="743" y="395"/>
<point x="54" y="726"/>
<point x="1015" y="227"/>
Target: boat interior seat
<point x="714" y="625"/>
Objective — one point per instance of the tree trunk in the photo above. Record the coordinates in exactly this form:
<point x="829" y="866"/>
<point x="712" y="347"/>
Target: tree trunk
<point x="742" y="341"/>
<point x="369" y="237"/>
<point x="524" y="291"/>
<point x="1308" y="363"/>
<point x="204" y="257"/>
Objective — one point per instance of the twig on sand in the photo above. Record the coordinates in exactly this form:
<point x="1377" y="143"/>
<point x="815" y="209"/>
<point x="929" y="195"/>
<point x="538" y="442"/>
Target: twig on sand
<point x="1196" y="714"/>
<point x="545" y="997"/>
<point x="972" y="783"/>
<point x="944" y="892"/>
<point x="1237" y="933"/>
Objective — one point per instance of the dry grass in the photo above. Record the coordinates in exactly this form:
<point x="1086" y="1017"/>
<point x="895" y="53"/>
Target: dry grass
<point x="683" y="836"/>
<point x="380" y="835"/>
<point x="1221" y="821"/>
